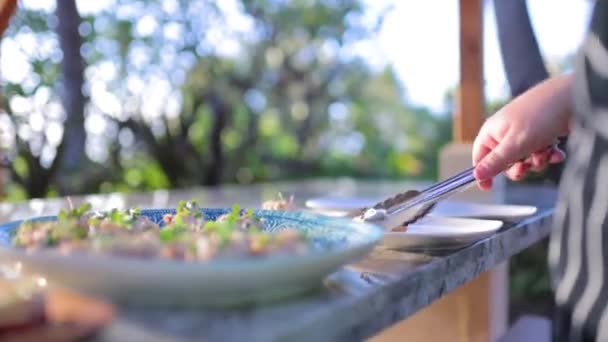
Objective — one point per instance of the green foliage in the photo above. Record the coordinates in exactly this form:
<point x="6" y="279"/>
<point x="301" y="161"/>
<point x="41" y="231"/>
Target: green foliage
<point x="529" y="282"/>
<point x="289" y="102"/>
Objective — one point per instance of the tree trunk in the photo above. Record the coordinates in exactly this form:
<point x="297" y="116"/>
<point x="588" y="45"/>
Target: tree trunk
<point x="220" y="113"/>
<point x="72" y="70"/>
<point x="523" y="62"/>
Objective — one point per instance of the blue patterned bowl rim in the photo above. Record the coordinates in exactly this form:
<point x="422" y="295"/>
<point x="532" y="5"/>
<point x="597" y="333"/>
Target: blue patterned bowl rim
<point x="328" y="235"/>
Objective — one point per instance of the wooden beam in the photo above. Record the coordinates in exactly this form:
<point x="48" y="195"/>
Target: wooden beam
<point x="470" y="101"/>
<point x="7" y="9"/>
<point x="460" y="316"/>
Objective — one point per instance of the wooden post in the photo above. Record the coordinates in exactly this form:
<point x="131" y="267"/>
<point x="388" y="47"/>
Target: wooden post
<point x="7" y="9"/>
<point x="451" y="318"/>
<point x="470" y="110"/>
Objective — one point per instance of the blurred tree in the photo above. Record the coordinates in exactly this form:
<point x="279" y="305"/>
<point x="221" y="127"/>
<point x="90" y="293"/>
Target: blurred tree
<point x="34" y="162"/>
<point x="243" y="91"/>
<point x="290" y="102"/>
<point x="46" y="107"/>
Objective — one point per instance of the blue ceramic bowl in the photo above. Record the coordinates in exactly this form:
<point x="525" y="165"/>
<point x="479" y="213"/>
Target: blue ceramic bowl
<point x="222" y="282"/>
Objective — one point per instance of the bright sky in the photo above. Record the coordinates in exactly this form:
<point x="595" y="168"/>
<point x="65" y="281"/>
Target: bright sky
<point x="420" y="39"/>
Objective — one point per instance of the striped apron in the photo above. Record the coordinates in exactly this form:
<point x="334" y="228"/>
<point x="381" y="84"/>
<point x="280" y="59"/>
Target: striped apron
<point x="578" y="253"/>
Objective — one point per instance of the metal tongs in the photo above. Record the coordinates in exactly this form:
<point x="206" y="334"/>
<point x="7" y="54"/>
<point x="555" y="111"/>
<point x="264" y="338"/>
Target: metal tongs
<point x="408" y="207"/>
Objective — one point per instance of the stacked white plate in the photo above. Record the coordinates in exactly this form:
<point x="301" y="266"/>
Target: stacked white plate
<point x="450" y="225"/>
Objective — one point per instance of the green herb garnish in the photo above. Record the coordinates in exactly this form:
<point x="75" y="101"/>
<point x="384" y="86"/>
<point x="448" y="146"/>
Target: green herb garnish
<point x="24" y="228"/>
<point x="124" y="218"/>
<point x="188" y="208"/>
<point x="172" y="233"/>
<point x="74" y="213"/>
<point x="51" y="240"/>
<point x="235" y="214"/>
<point x="224" y="232"/>
<point x="94" y="221"/>
<point x="210" y="226"/>
<point x="67" y="230"/>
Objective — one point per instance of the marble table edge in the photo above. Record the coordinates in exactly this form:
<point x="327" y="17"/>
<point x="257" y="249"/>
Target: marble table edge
<point x="400" y="298"/>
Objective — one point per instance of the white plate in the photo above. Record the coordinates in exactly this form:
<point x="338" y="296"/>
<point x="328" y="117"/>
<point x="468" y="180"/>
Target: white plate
<point x="336" y="206"/>
<point x="503" y="212"/>
<point x="217" y="283"/>
<point x="441" y="233"/>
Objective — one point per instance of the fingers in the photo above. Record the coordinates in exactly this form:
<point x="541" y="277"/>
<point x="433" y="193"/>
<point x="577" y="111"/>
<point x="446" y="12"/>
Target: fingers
<point x="480" y="151"/>
<point x="540" y="160"/>
<point x="537" y="162"/>
<point x="485" y="185"/>
<point x="482" y="146"/>
<point x="494" y="161"/>
<point x="518" y="171"/>
<point x="497" y="160"/>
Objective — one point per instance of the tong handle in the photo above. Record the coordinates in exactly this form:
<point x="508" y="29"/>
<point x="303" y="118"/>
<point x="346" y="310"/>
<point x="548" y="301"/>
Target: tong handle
<point x="409" y="209"/>
<point x="437" y="191"/>
<point x="445" y="188"/>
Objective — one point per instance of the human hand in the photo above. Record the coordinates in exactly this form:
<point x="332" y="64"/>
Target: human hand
<point x="515" y="139"/>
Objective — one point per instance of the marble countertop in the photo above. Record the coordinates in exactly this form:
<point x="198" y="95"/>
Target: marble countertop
<point x="355" y="303"/>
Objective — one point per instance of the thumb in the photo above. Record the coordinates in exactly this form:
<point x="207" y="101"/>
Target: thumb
<point x="497" y="160"/>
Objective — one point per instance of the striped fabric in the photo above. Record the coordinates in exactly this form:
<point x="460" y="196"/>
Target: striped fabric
<point x="578" y="252"/>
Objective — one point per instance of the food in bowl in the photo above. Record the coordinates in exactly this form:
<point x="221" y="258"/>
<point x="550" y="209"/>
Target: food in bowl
<point x="281" y="203"/>
<point x="185" y="235"/>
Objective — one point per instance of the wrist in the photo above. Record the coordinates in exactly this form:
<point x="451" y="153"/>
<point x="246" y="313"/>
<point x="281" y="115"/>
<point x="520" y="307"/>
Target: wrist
<point x="565" y="97"/>
<point x="552" y="100"/>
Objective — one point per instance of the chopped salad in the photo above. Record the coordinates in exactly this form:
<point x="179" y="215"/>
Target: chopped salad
<point x="186" y="235"/>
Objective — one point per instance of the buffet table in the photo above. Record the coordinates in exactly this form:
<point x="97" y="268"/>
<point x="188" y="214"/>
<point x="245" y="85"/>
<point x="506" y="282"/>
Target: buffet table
<point x="355" y="303"/>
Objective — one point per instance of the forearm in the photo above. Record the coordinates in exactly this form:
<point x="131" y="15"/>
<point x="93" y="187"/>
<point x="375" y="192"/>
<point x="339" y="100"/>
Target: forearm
<point x="553" y="97"/>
